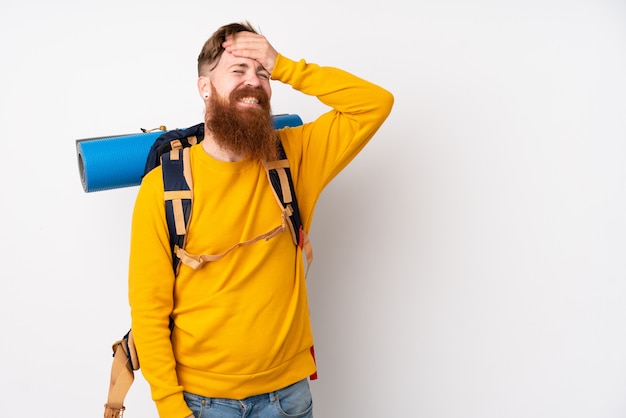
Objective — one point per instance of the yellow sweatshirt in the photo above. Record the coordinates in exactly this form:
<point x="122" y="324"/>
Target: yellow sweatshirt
<point x="241" y="324"/>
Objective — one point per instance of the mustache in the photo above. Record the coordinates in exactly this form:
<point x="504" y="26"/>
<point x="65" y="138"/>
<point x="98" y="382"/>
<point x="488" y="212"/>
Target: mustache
<point x="248" y="91"/>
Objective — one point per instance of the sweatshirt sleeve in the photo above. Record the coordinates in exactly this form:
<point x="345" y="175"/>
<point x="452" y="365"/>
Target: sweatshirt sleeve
<point x="324" y="147"/>
<point x="150" y="287"/>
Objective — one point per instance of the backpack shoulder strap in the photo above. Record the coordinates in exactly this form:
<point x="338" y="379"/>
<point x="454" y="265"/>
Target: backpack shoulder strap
<point x="279" y="176"/>
<point x="177" y="138"/>
<point x="125" y="362"/>
<point x="178" y="196"/>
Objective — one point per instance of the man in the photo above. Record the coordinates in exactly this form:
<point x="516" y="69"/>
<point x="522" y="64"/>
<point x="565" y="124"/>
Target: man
<point x="234" y="337"/>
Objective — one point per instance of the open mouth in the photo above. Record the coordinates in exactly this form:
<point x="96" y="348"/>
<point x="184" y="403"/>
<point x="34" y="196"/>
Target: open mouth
<point x="249" y="100"/>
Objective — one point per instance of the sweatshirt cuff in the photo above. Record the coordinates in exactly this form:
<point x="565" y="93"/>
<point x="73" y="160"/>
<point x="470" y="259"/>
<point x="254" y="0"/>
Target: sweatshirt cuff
<point x="281" y="67"/>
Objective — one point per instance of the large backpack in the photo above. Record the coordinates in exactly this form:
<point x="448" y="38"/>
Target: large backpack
<point x="171" y="151"/>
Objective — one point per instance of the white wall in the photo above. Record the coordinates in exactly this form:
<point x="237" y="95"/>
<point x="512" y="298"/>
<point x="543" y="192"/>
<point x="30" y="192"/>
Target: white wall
<point x="469" y="263"/>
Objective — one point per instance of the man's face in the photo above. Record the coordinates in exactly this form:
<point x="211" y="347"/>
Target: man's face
<point x="233" y="73"/>
<point x="238" y="113"/>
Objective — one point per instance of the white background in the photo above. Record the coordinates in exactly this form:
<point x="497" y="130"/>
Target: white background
<point x="471" y="262"/>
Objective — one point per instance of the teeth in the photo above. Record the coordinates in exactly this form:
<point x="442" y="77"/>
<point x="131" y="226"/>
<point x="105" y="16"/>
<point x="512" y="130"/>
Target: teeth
<point x="250" y="100"/>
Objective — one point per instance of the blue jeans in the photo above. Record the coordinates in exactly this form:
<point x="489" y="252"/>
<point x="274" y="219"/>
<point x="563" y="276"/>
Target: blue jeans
<point x="294" y="401"/>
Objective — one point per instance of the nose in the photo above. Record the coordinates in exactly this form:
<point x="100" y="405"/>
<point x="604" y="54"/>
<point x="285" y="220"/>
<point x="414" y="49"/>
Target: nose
<point x="253" y="80"/>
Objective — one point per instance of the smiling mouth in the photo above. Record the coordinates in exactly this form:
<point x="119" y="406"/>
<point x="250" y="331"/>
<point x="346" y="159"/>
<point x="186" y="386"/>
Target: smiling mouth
<point x="249" y="100"/>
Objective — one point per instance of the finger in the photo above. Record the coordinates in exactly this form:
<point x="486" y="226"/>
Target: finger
<point x="245" y="43"/>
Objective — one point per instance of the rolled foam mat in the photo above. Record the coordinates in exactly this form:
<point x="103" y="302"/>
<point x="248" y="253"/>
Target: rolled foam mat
<point x="114" y="162"/>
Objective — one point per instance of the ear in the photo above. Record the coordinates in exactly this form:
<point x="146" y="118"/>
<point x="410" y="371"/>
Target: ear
<point x="204" y="87"/>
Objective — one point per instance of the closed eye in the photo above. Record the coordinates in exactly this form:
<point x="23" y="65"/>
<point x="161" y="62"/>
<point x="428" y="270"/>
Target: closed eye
<point x="239" y="68"/>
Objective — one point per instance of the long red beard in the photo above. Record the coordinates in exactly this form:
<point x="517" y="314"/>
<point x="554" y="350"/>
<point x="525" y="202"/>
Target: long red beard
<point x="245" y="132"/>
